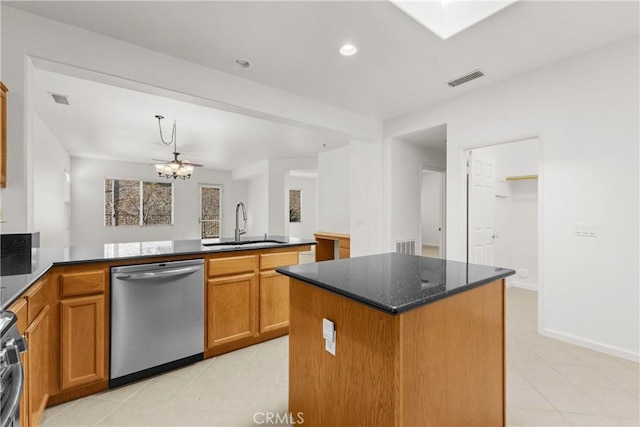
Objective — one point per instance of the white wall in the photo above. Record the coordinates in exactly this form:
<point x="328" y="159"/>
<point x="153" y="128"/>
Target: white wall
<point x="585" y="111"/>
<point x="24" y="35"/>
<point x="367" y="198"/>
<point x="258" y="205"/>
<point x="407" y="160"/>
<point x="278" y="170"/>
<point x="50" y="161"/>
<point x="334" y="190"/>
<point x="87" y="202"/>
<point x="431" y="209"/>
<point x="309" y="206"/>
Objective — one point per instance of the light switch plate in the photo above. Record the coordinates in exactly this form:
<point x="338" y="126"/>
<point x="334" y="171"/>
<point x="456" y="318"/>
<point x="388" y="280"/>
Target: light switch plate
<point x="328" y="330"/>
<point x="330" y="346"/>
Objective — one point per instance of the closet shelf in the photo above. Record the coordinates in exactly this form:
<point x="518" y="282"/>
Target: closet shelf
<point x="521" y="177"/>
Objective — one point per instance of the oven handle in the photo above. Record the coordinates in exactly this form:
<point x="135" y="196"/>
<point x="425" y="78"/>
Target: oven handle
<point x="159" y="273"/>
<point x="7" y="416"/>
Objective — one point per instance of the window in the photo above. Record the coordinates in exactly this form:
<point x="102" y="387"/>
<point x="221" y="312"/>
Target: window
<point x="128" y="202"/>
<point x="295" y="206"/>
<point x="210" y="211"/>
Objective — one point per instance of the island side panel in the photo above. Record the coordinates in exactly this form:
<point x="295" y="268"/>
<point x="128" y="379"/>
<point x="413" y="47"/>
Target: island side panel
<point x="357" y="385"/>
<point x="453" y="360"/>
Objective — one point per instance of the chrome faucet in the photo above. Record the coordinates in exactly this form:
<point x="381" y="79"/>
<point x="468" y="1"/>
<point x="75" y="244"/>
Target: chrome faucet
<point x="239" y="232"/>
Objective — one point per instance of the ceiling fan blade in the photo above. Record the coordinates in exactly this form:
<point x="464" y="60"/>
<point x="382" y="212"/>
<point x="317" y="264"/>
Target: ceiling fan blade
<point x="163" y="161"/>
<point x="187" y="162"/>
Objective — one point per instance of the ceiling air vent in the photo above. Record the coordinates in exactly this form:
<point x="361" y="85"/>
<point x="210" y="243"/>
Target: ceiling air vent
<point x="59" y="99"/>
<point x="466" y="78"/>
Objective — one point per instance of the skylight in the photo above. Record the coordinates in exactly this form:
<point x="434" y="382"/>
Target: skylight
<point x="446" y="18"/>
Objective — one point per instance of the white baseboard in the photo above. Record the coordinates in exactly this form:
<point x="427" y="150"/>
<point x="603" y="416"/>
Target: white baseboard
<point x="524" y="286"/>
<point x="592" y="345"/>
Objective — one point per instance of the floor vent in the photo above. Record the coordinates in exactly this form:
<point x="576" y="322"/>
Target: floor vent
<point x="466" y="78"/>
<point x="406" y="246"/>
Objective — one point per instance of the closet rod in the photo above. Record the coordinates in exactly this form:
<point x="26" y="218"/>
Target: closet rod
<point x="521" y="177"/>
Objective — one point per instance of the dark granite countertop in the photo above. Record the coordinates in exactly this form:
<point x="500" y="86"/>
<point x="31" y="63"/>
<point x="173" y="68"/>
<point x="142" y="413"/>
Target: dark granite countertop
<point x="394" y="282"/>
<point x="42" y="259"/>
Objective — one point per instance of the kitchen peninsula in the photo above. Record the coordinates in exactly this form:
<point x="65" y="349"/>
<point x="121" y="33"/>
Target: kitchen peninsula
<point x="63" y="302"/>
<point x="415" y="341"/>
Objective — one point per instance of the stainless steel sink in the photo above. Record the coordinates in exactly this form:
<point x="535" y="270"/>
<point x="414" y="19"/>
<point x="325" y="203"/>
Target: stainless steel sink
<point x="263" y="242"/>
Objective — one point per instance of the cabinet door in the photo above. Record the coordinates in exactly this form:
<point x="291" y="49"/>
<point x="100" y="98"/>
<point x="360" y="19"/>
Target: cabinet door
<point x="37" y="335"/>
<point x="82" y="339"/>
<point x="20" y="309"/>
<point x="274" y="301"/>
<point x="231" y="309"/>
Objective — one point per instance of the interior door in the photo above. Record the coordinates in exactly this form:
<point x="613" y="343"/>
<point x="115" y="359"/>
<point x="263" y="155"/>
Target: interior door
<point x="481" y="208"/>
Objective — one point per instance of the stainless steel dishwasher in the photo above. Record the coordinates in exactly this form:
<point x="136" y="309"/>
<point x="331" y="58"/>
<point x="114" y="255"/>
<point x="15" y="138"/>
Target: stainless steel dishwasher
<point x="157" y="318"/>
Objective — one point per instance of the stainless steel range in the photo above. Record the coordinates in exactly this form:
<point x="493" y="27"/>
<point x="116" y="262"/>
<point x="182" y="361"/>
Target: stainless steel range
<point x="11" y="373"/>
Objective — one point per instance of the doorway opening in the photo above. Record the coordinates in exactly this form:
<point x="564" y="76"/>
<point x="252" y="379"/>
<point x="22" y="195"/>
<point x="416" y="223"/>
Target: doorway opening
<point x="432" y="223"/>
<point x="502" y="209"/>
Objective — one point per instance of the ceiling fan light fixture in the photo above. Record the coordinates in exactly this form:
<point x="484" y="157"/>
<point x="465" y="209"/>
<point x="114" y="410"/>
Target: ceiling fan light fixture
<point x="175" y="168"/>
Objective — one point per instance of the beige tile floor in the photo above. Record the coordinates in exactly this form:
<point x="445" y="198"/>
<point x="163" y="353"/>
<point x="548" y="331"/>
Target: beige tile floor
<point x="549" y="383"/>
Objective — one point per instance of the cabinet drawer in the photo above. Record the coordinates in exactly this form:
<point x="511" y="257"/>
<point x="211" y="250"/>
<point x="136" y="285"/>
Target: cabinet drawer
<point x="82" y="283"/>
<point x="268" y="261"/>
<point x="36" y="299"/>
<point x="232" y="265"/>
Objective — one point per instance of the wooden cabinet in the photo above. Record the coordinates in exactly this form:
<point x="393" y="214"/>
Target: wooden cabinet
<point x="326" y="248"/>
<point x="247" y="301"/>
<point x="231" y="299"/>
<point x="274" y="291"/>
<point x="37" y="367"/>
<point x="274" y="301"/>
<point x="3" y="135"/>
<point x="83" y="326"/>
<point x="82" y="338"/>
<point x="19" y="308"/>
<point x="34" y="320"/>
<point x="231" y="308"/>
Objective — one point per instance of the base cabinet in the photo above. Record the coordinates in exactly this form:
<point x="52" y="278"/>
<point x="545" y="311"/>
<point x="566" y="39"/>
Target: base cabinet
<point x="231" y="309"/>
<point x="274" y="301"/>
<point x="247" y="300"/>
<point x="37" y="363"/>
<point x="82" y="338"/>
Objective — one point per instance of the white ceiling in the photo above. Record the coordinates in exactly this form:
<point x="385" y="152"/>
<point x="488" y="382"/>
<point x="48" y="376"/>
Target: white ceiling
<point x="293" y="45"/>
<point x="434" y="138"/>
<point x="400" y="66"/>
<point x="113" y="123"/>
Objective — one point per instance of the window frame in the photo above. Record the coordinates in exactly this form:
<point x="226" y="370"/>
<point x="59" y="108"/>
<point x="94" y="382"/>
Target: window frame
<point x="289" y="203"/>
<point x="140" y="195"/>
<point x="220" y="202"/>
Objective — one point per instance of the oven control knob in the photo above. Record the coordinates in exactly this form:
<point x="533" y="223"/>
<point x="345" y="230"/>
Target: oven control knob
<point x="11" y="355"/>
<point x="21" y="343"/>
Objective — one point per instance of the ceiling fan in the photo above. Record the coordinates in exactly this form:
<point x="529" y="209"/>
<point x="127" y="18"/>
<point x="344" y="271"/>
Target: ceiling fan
<point x="174" y="168"/>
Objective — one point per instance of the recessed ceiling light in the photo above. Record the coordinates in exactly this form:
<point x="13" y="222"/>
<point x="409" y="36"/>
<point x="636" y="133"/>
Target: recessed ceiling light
<point x="348" y="50"/>
<point x="243" y="63"/>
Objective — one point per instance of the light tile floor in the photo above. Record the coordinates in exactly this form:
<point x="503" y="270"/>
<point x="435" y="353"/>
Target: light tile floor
<point x="549" y="383"/>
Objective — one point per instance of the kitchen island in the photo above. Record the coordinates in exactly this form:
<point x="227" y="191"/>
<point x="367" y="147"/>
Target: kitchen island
<point x="417" y="342"/>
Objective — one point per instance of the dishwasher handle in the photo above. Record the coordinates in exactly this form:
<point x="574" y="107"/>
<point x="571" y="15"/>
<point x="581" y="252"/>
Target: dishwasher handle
<point x="160" y="273"/>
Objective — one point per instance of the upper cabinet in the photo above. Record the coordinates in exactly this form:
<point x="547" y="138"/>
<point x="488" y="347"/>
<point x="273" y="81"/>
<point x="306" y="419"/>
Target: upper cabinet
<point x="3" y="135"/>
